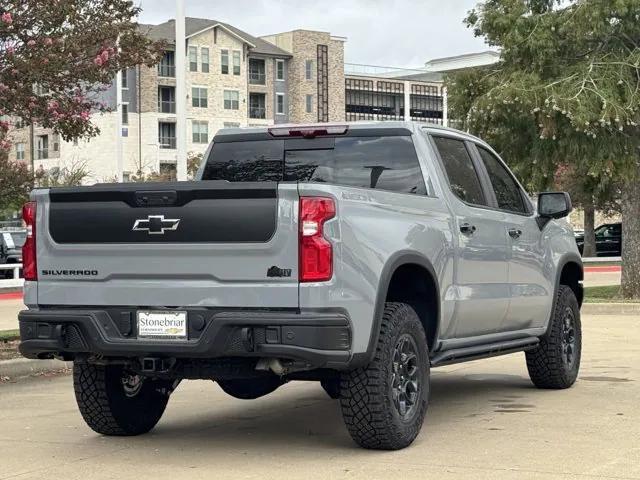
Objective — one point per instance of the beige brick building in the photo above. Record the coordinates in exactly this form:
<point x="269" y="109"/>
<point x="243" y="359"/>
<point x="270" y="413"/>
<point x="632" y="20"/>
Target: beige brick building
<point x="233" y="79"/>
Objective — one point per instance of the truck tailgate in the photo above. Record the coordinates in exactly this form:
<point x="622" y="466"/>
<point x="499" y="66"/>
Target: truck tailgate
<point x="206" y="243"/>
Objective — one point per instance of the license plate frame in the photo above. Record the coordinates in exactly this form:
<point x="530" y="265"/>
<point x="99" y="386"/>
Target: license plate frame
<point x="162" y="325"/>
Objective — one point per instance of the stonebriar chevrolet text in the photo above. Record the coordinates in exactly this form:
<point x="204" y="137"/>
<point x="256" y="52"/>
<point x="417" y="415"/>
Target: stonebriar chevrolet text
<point x="359" y="256"/>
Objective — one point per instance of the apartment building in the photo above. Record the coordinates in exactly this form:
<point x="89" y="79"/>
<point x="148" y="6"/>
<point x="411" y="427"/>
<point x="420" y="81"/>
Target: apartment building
<point x="233" y="79"/>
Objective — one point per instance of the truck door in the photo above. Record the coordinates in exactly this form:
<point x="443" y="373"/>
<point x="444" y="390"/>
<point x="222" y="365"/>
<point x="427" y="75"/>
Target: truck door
<point x="481" y="287"/>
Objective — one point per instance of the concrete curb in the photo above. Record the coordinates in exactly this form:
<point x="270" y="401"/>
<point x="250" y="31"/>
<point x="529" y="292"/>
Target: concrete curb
<point x="611" y="308"/>
<point x="22" y="367"/>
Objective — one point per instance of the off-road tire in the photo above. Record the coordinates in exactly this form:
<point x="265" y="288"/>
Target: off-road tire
<point x="108" y="410"/>
<point x="332" y="387"/>
<point x="250" y="389"/>
<point x="546" y="363"/>
<point x="366" y="396"/>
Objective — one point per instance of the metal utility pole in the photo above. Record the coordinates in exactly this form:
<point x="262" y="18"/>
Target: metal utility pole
<point x="119" y="152"/>
<point x="181" y="94"/>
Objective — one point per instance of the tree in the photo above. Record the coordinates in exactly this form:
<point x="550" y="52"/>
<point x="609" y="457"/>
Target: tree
<point x="58" y="56"/>
<point x="71" y="176"/>
<point x="16" y="183"/>
<point x="566" y="94"/>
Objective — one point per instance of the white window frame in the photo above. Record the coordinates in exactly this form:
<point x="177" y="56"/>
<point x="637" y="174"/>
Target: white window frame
<point x="233" y="62"/>
<point x="202" y="63"/>
<point x="198" y="131"/>
<point x="193" y="97"/>
<point x="280" y="61"/>
<point x="278" y="96"/>
<point x="192" y="48"/>
<point x="231" y="125"/>
<point x="224" y="53"/>
<point x="224" y="94"/>
<point x="20" y="152"/>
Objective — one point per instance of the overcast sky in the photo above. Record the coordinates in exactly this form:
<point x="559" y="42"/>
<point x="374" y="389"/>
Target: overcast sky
<point x="399" y="33"/>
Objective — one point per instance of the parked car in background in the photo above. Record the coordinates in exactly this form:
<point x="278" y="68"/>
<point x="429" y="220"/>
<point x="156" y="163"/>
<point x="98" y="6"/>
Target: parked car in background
<point x="11" y="242"/>
<point x="608" y="240"/>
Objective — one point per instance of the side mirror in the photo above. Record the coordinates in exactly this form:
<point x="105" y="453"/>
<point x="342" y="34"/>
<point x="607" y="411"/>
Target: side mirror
<point x="553" y="205"/>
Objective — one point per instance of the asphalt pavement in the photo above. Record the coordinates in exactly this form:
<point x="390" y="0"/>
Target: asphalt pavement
<point x="486" y="421"/>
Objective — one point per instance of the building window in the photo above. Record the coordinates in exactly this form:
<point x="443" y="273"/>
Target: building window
<point x="204" y="59"/>
<point x="231" y="125"/>
<point x="125" y="113"/>
<point x="167" y="135"/>
<point x="309" y="103"/>
<point x="199" y="97"/>
<point x="256" y="71"/>
<point x="167" y="66"/>
<point x="193" y="59"/>
<point x="308" y="70"/>
<point x="279" y="103"/>
<point x="224" y="61"/>
<point x="40" y="89"/>
<point x="257" y="105"/>
<point x="279" y="69"/>
<point x="236" y="62"/>
<point x="231" y="100"/>
<point x="42" y="147"/>
<point x="200" y="131"/>
<point x="124" y="83"/>
<point x="19" y="151"/>
<point x="167" y="99"/>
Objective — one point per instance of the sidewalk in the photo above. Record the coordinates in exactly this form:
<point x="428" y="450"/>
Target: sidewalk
<point x="9" y="313"/>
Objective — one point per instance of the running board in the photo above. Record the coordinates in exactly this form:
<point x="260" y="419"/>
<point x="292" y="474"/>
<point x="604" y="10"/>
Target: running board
<point x="458" y="355"/>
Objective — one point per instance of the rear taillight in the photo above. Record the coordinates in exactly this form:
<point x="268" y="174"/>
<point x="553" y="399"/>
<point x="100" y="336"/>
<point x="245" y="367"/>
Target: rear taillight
<point x="29" y="265"/>
<point x="316" y="252"/>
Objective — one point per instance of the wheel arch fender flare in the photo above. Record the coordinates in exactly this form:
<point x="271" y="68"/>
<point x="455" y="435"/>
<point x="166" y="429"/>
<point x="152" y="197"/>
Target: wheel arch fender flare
<point x="567" y="258"/>
<point x="395" y="261"/>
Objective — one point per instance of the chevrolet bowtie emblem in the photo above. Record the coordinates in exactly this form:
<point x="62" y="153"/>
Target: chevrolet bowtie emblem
<point x="156" y="224"/>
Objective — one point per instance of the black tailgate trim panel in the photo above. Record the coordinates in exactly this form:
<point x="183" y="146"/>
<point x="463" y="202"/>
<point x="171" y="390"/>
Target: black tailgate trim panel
<point x="208" y="212"/>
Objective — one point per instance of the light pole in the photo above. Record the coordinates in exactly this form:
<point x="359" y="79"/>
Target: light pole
<point x="181" y="94"/>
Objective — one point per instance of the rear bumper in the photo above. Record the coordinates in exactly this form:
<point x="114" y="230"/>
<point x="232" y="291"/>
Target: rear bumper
<point x="317" y="339"/>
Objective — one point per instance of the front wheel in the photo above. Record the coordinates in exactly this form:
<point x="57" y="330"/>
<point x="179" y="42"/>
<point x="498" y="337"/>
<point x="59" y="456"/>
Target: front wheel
<point x="114" y="401"/>
<point x="555" y="362"/>
<point x="384" y="404"/>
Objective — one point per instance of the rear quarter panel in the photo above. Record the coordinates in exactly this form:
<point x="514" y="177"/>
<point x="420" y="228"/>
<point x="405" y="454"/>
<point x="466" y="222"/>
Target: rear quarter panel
<point x="369" y="228"/>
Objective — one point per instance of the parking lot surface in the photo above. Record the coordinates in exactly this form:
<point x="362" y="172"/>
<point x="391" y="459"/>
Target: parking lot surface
<point x="486" y="420"/>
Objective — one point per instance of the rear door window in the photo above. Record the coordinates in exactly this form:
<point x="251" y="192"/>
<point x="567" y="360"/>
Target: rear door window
<point x="507" y="191"/>
<point x="462" y="174"/>
<point x="255" y="161"/>
<point x="383" y="163"/>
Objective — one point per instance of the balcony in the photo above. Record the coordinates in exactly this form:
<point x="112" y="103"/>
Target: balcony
<point x="167" y="107"/>
<point x="42" y="154"/>
<point x="167" y="142"/>
<point x="257" y="112"/>
<point x="167" y="66"/>
<point x="257" y="74"/>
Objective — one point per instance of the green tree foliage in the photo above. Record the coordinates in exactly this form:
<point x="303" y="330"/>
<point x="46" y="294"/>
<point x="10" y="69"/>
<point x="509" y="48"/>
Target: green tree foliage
<point x="566" y="93"/>
<point x="16" y="181"/>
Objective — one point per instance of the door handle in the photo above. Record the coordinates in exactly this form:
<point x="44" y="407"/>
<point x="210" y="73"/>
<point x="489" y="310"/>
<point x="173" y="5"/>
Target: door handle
<point x="515" y="232"/>
<point x="467" y="229"/>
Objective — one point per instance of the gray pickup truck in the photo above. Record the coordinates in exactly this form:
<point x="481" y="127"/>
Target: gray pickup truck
<point x="359" y="256"/>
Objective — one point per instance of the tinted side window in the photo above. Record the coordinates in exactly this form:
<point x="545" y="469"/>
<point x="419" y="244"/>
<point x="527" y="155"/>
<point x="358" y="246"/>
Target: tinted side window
<point x="257" y="161"/>
<point x="385" y="163"/>
<point x="462" y="174"/>
<point x="506" y="189"/>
